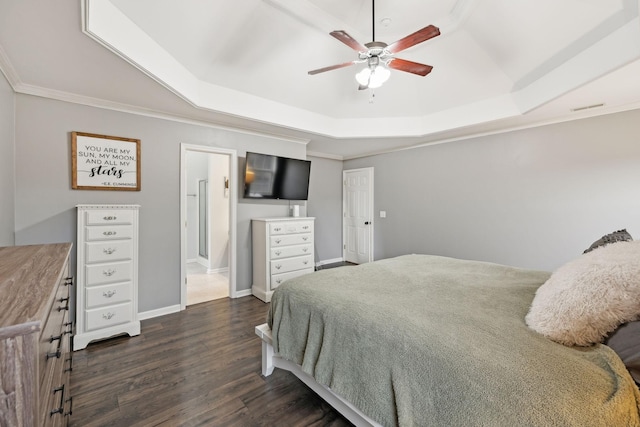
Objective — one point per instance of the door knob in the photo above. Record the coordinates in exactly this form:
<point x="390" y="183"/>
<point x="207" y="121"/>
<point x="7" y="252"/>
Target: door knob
<point x="366" y="223"/>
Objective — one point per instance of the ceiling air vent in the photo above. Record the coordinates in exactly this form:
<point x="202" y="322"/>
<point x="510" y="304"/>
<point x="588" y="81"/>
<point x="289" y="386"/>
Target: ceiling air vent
<point x="587" y="107"/>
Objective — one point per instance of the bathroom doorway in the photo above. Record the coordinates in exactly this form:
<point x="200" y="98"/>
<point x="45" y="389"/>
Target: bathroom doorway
<point x="208" y="219"/>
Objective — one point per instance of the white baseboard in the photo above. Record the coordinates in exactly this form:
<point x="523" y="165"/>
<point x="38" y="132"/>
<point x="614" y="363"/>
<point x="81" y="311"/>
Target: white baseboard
<point x="329" y="261"/>
<point x="218" y="270"/>
<point x="158" y="312"/>
<point x="243" y="293"/>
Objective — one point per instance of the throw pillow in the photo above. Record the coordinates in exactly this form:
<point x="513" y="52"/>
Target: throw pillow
<point x="626" y="342"/>
<point x="616" y="236"/>
<point x="586" y="299"/>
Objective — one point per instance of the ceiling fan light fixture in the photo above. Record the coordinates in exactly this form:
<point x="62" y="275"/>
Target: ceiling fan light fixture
<point x="373" y="77"/>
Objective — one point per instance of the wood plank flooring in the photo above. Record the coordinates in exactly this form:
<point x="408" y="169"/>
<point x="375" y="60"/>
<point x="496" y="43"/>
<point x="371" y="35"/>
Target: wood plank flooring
<point x="199" y="367"/>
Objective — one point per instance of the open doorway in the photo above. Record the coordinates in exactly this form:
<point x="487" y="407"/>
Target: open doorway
<point x="208" y="204"/>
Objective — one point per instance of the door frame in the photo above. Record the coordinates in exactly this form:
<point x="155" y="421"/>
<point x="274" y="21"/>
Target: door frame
<point x="233" y="202"/>
<point x="372" y="224"/>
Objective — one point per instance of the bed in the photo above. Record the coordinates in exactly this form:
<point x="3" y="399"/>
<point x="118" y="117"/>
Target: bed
<point x="436" y="341"/>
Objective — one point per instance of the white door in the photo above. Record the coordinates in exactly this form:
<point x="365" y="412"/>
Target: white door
<point x="358" y="215"/>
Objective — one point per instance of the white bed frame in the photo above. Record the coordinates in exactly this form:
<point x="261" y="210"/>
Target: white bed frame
<point x="271" y="360"/>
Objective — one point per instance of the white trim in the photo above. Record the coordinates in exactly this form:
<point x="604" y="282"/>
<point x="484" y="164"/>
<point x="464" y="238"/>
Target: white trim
<point x="7" y="69"/>
<point x="72" y="98"/>
<point x="24" y="89"/>
<point x="217" y="270"/>
<point x="158" y="312"/>
<point x="324" y="155"/>
<point x="243" y="293"/>
<point x="329" y="261"/>
<point x="271" y="360"/>
<point x="233" y="202"/>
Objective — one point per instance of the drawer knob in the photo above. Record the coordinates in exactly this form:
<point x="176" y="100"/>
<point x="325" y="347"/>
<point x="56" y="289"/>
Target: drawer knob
<point x="109" y="218"/>
<point x="278" y="267"/>
<point x="109" y="272"/>
<point x="109" y="251"/>
<point x="109" y="233"/>
<point x="108" y="294"/>
<point x="278" y="241"/>
<point x="305" y="262"/>
<point x="68" y="281"/>
<point x="278" y="253"/>
<point x="306" y="227"/>
<point x="277" y="229"/>
<point x="279" y="281"/>
<point x="108" y="316"/>
<point x="52" y="339"/>
<point x="305" y="238"/>
<point x="305" y="249"/>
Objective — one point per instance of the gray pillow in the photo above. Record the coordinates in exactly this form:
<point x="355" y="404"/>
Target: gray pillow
<point x="616" y="236"/>
<point x="626" y="342"/>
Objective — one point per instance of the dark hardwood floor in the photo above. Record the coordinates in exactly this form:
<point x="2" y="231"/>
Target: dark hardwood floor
<point x="199" y="367"/>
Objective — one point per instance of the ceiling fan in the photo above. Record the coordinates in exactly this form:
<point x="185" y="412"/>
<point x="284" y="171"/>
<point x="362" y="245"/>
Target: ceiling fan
<point x="379" y="56"/>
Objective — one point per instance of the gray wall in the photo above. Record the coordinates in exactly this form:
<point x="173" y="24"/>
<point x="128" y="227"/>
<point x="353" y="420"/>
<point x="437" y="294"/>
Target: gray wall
<point x="7" y="115"/>
<point x="325" y="203"/>
<point x="45" y="202"/>
<point x="533" y="198"/>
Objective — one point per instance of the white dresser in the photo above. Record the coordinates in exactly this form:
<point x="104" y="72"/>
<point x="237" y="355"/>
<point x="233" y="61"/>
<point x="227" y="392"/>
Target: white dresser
<point x="282" y="249"/>
<point x="107" y="273"/>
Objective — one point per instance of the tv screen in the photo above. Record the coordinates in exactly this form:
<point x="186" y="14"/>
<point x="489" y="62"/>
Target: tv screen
<point x="273" y="177"/>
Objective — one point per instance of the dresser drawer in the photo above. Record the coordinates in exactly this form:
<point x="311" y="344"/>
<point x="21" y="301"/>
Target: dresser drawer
<point x="292" y="239"/>
<point x="109" y="217"/>
<point x="278" y="279"/>
<point x="290" y="227"/>
<point x="109" y="294"/>
<point x="108" y="273"/>
<point x="114" y="232"/>
<point x="109" y="316"/>
<point x="291" y="251"/>
<point x="54" y="393"/>
<point x="50" y="346"/>
<point x="108" y="251"/>
<point x="291" y="264"/>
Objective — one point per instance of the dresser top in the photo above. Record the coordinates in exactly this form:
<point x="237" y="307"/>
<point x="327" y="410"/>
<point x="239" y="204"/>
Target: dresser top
<point x="285" y="218"/>
<point x="28" y="276"/>
<point x="114" y="206"/>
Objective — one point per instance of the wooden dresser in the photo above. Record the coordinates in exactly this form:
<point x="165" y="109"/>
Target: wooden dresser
<point x="35" y="333"/>
<point x="282" y="250"/>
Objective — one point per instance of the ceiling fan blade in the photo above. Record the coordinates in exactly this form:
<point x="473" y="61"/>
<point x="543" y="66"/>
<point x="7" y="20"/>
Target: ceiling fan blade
<point x="419" y="36"/>
<point x="410" y="66"/>
<point x="348" y="40"/>
<point x="332" y="67"/>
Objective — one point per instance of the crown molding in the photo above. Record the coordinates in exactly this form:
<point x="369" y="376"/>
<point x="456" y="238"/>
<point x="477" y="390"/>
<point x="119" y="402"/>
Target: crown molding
<point x="7" y="69"/>
<point x="324" y="155"/>
<point x="72" y="98"/>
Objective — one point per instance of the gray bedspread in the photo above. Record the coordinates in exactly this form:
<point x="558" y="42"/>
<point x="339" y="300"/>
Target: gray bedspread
<point x="422" y="340"/>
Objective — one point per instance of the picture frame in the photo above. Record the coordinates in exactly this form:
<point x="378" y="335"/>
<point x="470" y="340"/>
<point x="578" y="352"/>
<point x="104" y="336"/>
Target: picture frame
<point x="103" y="162"/>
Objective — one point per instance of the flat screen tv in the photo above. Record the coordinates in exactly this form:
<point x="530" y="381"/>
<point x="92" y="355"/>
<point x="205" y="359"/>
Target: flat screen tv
<point x="274" y="177"/>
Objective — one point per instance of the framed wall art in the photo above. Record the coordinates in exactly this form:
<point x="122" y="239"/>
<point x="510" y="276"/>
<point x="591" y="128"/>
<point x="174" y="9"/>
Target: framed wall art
<point x="101" y="162"/>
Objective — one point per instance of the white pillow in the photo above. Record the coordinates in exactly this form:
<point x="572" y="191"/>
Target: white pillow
<point x="589" y="297"/>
